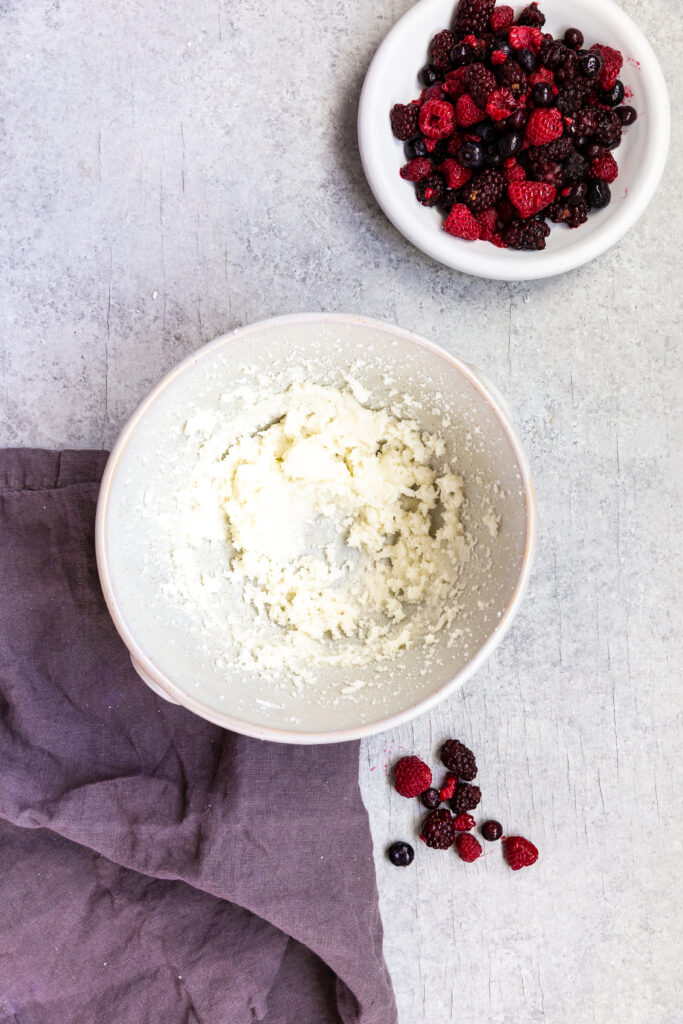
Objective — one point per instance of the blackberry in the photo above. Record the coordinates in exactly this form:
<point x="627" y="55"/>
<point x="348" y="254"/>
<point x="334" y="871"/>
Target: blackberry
<point x="480" y="83"/>
<point x="482" y="191"/>
<point x="627" y="115"/>
<point x="559" y="149"/>
<point x="430" y="190"/>
<point x="437" y="831"/>
<point x="577" y="192"/>
<point x="527" y="235"/>
<point x="553" y="53"/>
<point x="571" y="98"/>
<point x="575" y="167"/>
<point x="401" y="854"/>
<point x="564" y="212"/>
<point x="440" y="49"/>
<point x="492" y="830"/>
<point x="568" y="71"/>
<point x="458" y="758"/>
<point x="473" y="15"/>
<point x="532" y="16"/>
<point x="608" y="130"/>
<point x="587" y="122"/>
<point x="466" y="797"/>
<point x="431" y="798"/>
<point x="552" y="173"/>
<point x="511" y="75"/>
<point x="404" y="120"/>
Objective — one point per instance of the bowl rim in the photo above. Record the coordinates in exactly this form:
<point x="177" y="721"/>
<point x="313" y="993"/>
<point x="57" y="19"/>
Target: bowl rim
<point x="503" y="264"/>
<point x="159" y="682"/>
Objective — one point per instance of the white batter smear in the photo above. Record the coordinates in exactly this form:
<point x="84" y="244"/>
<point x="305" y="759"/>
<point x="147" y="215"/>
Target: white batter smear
<point x="339" y="525"/>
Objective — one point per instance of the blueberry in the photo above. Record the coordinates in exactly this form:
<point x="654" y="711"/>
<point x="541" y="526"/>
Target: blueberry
<point x="415" y="148"/>
<point x="573" y="38"/>
<point x="401" y="854"/>
<point x="493" y="157"/>
<point x="599" y="195"/>
<point x="526" y="60"/>
<point x="430" y="798"/>
<point x="485" y="131"/>
<point x="614" y="96"/>
<point x="627" y="115"/>
<point x="428" y="75"/>
<point x="510" y="144"/>
<point x="461" y="54"/>
<point x="471" y="154"/>
<point x="590" y="65"/>
<point x="492" y="830"/>
<point x="542" y="94"/>
<point x="517" y="121"/>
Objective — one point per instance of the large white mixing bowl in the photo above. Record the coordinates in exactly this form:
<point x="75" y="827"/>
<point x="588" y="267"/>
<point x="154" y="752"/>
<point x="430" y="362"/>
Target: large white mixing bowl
<point x="481" y="441"/>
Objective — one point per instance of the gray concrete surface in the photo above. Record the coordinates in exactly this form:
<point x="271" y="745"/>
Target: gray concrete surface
<point x="174" y="169"/>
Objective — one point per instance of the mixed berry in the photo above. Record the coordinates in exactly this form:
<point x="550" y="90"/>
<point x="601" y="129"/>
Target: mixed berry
<point x="513" y="127"/>
<point x="442" y="829"/>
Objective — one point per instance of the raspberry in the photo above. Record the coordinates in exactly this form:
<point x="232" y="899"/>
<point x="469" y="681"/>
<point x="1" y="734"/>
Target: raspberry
<point x="448" y="789"/>
<point x="542" y="75"/>
<point x="404" y="120"/>
<point x="543" y="126"/>
<point x="468" y="847"/>
<point x="501" y="104"/>
<point x="498" y="57"/>
<point x="455" y="174"/>
<point x="608" y="129"/>
<point x="463" y="823"/>
<point x="532" y="16"/>
<point x="416" y="170"/>
<point x="498" y="241"/>
<point x="519" y="852"/>
<point x="437" y="830"/>
<point x="411" y="776"/>
<point x="436" y="119"/>
<point x="480" y="83"/>
<point x="488" y="222"/>
<point x="571" y="214"/>
<point x="429" y="192"/>
<point x="453" y="143"/>
<point x="484" y="190"/>
<point x="526" y="234"/>
<point x="514" y="173"/>
<point x="612" y="64"/>
<point x="466" y="798"/>
<point x="501" y="18"/>
<point x="458" y="758"/>
<point x="467" y="112"/>
<point x="530" y="197"/>
<point x="462" y="223"/>
<point x="454" y="83"/>
<point x="473" y="15"/>
<point x="604" y="167"/>
<point x="440" y="49"/>
<point x="512" y="77"/>
<point x="525" y="37"/>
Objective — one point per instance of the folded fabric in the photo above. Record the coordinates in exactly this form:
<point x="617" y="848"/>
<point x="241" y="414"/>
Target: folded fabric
<point x="154" y="867"/>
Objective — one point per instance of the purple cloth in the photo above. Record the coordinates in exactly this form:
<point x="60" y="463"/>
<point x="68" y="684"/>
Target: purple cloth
<point x="153" y="867"/>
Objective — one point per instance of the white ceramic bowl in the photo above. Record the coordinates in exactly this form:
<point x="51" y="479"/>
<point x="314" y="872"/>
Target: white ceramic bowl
<point x="392" y="78"/>
<point x="166" y="652"/>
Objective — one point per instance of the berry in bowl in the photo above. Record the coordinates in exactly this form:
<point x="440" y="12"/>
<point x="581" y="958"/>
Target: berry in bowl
<point x="531" y="136"/>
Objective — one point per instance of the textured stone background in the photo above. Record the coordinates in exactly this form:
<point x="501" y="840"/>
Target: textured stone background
<point x="173" y="169"/>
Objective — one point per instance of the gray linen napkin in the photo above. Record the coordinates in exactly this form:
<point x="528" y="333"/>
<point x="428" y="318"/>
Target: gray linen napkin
<point x="153" y="867"/>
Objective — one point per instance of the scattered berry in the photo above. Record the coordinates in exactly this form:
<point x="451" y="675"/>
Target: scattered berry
<point x="430" y="799"/>
<point x="411" y="776"/>
<point x="468" y="847"/>
<point x="501" y="18"/>
<point x="491" y="830"/>
<point x="544" y="126"/>
<point x="463" y="823"/>
<point x="401" y="854"/>
<point x="519" y="852"/>
<point x="462" y="223"/>
<point x="437" y="830"/>
<point x="460" y="760"/>
<point x="466" y="798"/>
<point x="448" y="789"/>
<point x="530" y="197"/>
<point x="404" y="120"/>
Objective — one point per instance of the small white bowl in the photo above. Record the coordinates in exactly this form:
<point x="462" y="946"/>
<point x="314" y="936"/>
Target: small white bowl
<point x="165" y="648"/>
<point x="392" y="78"/>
